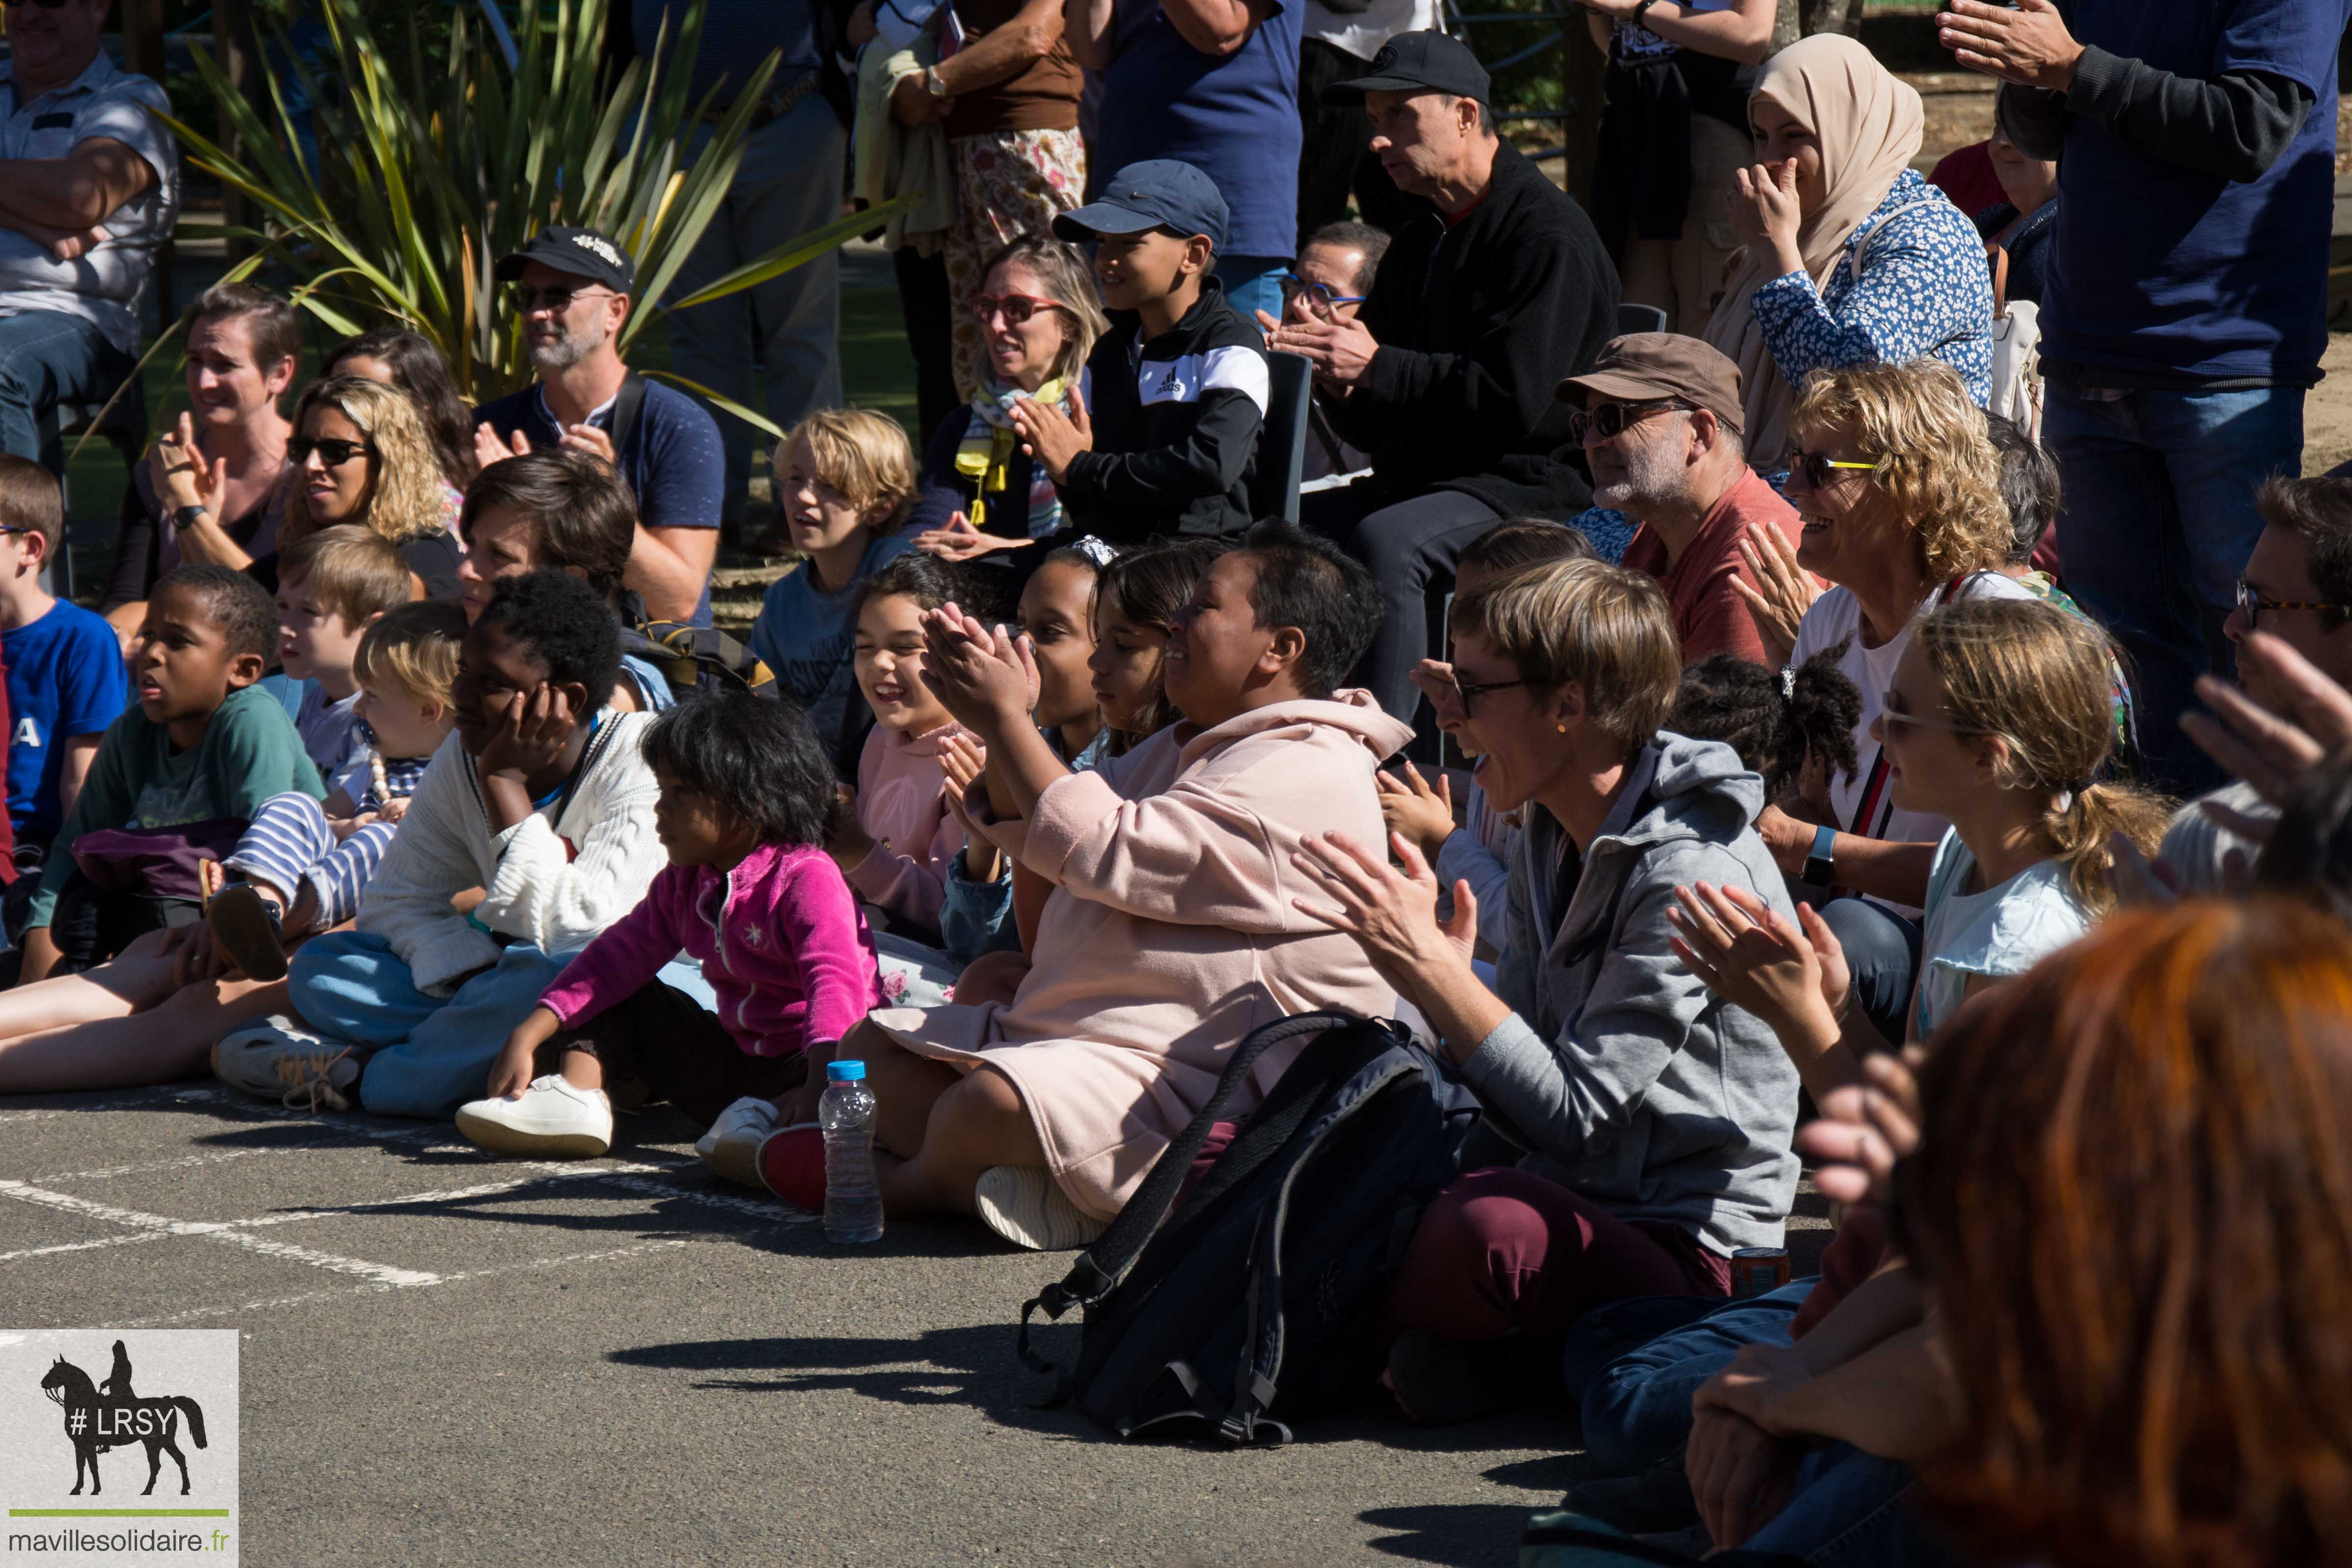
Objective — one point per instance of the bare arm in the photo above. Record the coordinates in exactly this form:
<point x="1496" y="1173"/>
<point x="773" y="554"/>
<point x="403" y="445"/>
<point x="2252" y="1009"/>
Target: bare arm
<point x="1087" y="24"/>
<point x="1217" y="27"/>
<point x="1741" y="33"/>
<point x="669" y="567"/>
<point x="80" y="750"/>
<point x="1005" y="51"/>
<point x="1896" y="1401"/>
<point x="76" y="192"/>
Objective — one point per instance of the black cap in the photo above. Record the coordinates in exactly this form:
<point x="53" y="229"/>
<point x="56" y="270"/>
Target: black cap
<point x="1156" y="192"/>
<point x="1417" y="62"/>
<point x="582" y="252"/>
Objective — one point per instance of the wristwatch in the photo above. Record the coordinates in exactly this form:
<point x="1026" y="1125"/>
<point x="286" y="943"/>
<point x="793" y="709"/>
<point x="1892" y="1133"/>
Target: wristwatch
<point x="189" y="516"/>
<point x="933" y="85"/>
<point x="1818" y="871"/>
<point x="1642" y="11"/>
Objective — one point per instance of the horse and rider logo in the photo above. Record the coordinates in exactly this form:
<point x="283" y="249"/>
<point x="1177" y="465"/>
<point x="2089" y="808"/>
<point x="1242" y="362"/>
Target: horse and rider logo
<point x="112" y="1417"/>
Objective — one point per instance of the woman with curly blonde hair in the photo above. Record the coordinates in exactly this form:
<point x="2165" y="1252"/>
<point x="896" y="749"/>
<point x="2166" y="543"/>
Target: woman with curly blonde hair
<point x="361" y="455"/>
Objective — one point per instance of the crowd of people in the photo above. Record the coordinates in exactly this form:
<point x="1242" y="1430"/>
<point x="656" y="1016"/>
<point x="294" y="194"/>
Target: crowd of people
<point x="1832" y="674"/>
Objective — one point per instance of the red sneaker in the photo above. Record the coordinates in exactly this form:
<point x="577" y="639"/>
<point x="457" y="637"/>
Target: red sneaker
<point x="792" y="1166"/>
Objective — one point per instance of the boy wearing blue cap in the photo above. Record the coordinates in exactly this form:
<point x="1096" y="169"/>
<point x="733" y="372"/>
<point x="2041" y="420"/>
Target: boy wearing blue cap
<point x="1163" y="434"/>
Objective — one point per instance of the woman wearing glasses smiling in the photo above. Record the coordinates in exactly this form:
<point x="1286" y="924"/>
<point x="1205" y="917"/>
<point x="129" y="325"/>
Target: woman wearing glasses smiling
<point x="978" y="495"/>
<point x="360" y="455"/>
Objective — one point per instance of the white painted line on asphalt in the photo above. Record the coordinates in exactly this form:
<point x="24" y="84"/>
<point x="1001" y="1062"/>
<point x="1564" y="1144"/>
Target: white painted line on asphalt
<point x="308" y="1296"/>
<point x="133" y="1239"/>
<point x="213" y="1230"/>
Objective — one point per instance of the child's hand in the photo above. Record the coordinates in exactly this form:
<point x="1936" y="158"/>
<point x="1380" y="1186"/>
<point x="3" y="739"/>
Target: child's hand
<point x="343" y="827"/>
<point x="981" y="675"/>
<point x="530" y="734"/>
<point x="962" y="759"/>
<point x="1049" y="436"/>
<point x="1410" y="806"/>
<point x="510" y="1074"/>
<point x="393" y="809"/>
<point x="194" y="958"/>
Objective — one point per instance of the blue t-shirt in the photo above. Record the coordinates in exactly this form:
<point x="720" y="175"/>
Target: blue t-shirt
<point x="65" y="678"/>
<point x="671" y="458"/>
<point x="1235" y="120"/>
<point x="808" y="638"/>
<point x="2163" y="270"/>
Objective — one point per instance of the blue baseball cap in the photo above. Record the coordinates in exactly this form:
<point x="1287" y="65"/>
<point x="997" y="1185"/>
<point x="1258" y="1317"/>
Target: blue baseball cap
<point x="1159" y="192"/>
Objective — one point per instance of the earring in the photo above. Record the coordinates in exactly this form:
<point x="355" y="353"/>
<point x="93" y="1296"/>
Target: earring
<point x="1561" y="728"/>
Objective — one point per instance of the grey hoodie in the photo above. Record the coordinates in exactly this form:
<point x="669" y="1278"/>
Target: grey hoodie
<point x="1631" y="1083"/>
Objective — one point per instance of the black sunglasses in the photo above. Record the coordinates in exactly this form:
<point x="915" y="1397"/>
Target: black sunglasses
<point x="528" y="298"/>
<point x="331" y="450"/>
<point x="1609" y="421"/>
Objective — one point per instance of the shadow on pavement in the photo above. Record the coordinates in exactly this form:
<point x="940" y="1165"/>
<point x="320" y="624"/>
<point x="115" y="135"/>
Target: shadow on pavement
<point x="1467" y="1534"/>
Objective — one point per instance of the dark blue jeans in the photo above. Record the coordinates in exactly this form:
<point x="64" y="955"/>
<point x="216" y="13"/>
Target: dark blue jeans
<point x="47" y="357"/>
<point x="1882" y="950"/>
<point x="2158" y="520"/>
<point x="1634" y="1366"/>
<point x="1849" y="1511"/>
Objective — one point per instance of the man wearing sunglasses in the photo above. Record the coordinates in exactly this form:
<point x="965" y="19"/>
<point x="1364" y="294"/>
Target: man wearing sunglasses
<point x="89" y="186"/>
<point x="573" y="288"/>
<point x="1659" y="418"/>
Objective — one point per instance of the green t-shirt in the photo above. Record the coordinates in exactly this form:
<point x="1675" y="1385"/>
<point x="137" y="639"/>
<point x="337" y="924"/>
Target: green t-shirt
<point x="250" y="752"/>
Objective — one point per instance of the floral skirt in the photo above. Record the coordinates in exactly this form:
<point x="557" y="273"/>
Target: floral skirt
<point x="1008" y="183"/>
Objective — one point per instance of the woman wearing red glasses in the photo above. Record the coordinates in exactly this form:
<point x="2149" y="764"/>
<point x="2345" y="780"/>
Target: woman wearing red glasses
<point x="980" y="496"/>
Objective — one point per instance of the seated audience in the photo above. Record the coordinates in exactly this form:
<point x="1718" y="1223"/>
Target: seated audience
<point x="204" y="747"/>
<point x="749" y="894"/>
<point x="1655" y="1122"/>
<point x="1852" y="260"/>
<point x="398" y="357"/>
<point x="894" y="838"/>
<point x="1447" y="376"/>
<point x="573" y="288"/>
<point x="301" y="866"/>
<point x="539" y="799"/>
<point x="1170" y="933"/>
<point x="1659" y="417"/>
<point x="1164" y="438"/>
<point x="2020" y="225"/>
<point x="1899" y="491"/>
<point x="1330" y="282"/>
<point x="361" y="456"/>
<point x="843" y="479"/>
<point x="214" y="486"/>
<point x="979" y="495"/>
<point x="92" y="178"/>
<point x="65" y="675"/>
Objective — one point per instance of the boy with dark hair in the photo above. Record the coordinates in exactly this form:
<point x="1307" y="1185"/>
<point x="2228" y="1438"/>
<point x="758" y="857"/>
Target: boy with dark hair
<point x="541" y="799"/>
<point x="204" y="746"/>
<point x="1179" y="384"/>
<point x="1172" y="929"/>
<point x="66" y="683"/>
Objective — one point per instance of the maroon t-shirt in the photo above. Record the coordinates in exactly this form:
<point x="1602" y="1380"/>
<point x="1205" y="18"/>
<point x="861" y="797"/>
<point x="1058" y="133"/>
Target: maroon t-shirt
<point x="1711" y="617"/>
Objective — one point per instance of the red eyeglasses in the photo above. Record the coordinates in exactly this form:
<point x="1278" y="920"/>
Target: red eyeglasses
<point x="1017" y="308"/>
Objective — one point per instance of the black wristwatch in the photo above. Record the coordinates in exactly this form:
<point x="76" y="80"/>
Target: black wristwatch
<point x="1819" y="872"/>
<point x="1642" y="12"/>
<point x="189" y="516"/>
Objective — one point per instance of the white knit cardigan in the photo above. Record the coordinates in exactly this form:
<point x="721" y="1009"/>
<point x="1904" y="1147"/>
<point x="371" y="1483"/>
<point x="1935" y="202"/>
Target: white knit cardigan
<point x="554" y="883"/>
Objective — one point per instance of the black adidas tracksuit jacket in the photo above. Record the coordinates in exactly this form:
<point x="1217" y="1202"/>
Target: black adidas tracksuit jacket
<point x="1176" y="422"/>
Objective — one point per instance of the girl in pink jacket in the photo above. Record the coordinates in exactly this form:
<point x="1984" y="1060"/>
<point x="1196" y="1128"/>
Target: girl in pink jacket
<point x="746" y="789"/>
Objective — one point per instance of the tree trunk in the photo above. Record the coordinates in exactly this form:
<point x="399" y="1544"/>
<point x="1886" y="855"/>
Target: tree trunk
<point x="1803" y="18"/>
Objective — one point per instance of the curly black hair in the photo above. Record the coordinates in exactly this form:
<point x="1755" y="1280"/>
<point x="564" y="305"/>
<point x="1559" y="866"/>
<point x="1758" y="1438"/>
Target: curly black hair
<point x="240" y="607"/>
<point x="1774" y="719"/>
<point x="759" y="759"/>
<point x="926" y="579"/>
<point x="566" y="625"/>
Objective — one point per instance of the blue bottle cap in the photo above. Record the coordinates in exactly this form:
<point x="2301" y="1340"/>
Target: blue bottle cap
<point x="841" y="1072"/>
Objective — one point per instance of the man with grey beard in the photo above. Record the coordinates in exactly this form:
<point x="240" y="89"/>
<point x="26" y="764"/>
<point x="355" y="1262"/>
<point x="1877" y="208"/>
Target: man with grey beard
<point x="1659" y="417"/>
<point x="572" y="288"/>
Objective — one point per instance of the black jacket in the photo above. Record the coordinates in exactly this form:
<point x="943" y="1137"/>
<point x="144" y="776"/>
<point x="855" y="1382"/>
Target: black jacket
<point x="1477" y="323"/>
<point x="1176" y="422"/>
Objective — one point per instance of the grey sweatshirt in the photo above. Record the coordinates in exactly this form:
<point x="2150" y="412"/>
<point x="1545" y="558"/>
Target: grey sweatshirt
<point x="1628" y="1082"/>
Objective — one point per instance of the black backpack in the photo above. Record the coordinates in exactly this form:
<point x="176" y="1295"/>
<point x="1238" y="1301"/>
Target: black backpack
<point x="697" y="658"/>
<point x="1257" y="1299"/>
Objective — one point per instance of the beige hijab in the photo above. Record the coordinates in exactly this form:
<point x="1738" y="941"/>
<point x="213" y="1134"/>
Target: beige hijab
<point x="1869" y="125"/>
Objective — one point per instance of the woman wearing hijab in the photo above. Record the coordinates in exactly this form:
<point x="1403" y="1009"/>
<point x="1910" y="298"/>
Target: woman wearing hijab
<point x="1852" y="257"/>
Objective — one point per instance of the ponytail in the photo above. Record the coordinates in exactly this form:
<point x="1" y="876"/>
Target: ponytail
<point x="2081" y="833"/>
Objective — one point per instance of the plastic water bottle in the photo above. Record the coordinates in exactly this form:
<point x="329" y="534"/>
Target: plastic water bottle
<point x="853" y="1204"/>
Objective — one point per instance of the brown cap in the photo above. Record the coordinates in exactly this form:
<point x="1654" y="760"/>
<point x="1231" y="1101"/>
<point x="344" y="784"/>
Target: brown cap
<point x="1642" y="365"/>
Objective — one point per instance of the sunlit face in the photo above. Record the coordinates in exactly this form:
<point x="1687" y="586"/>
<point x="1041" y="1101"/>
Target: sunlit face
<point x="2279" y="570"/>
<point x="1847" y="520"/>
<point x="568" y="317"/>
<point x="1124" y="665"/>
<point x="1131" y="268"/>
<point x="499" y="543"/>
<point x="337" y="467"/>
<point x="693" y="827"/>
<point x="1216" y="647"/>
<point x="1780" y="136"/>
<point x="1510" y="729"/>
<point x="180" y="665"/>
<point x="890" y="664"/>
<point x="1022" y="354"/>
<point x="313" y="640"/>
<point x="1421" y="137"/>
<point x="1057" y="607"/>
<point x="818" y="516"/>
<point x="1930" y="768"/>
<point x="406" y="726"/>
<point x="226" y="383"/>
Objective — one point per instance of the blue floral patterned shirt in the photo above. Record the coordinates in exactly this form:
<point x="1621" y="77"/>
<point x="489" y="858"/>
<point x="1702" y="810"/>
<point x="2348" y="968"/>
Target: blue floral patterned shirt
<point x="1923" y="290"/>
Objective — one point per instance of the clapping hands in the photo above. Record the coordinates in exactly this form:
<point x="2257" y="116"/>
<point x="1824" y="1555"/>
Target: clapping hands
<point x="984" y="677"/>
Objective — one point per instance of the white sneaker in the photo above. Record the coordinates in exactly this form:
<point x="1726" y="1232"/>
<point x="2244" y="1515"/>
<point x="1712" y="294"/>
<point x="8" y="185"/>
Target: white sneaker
<point x="283" y="1059"/>
<point x="553" y="1119"/>
<point x="1027" y="1207"/>
<point x="731" y="1147"/>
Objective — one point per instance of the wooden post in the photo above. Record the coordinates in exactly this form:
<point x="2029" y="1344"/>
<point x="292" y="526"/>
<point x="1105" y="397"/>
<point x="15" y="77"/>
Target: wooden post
<point x="235" y="47"/>
<point x="142" y="37"/>
<point x="1582" y="68"/>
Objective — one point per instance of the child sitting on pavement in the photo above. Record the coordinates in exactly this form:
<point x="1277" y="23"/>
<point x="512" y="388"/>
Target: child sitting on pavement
<point x="301" y="866"/>
<point x="539" y="799"/>
<point x="745" y="793"/>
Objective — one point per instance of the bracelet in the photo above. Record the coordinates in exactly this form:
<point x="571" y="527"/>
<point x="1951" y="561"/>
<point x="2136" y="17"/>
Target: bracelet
<point x="1819" y="872"/>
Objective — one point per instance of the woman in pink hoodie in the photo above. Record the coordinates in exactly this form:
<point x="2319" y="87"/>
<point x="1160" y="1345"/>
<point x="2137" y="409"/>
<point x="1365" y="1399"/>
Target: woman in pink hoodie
<point x="745" y="793"/>
<point x="1171" y="932"/>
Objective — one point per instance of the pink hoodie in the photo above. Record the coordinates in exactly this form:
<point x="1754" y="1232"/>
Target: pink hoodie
<point x="914" y="835"/>
<point x="1171" y="934"/>
<point x="780" y="939"/>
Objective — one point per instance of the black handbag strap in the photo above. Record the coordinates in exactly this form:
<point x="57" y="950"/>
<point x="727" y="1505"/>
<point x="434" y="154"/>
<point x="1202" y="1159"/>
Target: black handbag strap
<point x="625" y="405"/>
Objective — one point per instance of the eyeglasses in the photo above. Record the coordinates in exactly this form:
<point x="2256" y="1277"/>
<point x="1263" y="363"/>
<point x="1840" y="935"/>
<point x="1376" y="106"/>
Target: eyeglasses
<point x="1818" y="467"/>
<point x="1895" y="720"/>
<point x="2251" y="600"/>
<point x="1609" y="421"/>
<point x="1319" y="298"/>
<point x="1017" y="308"/>
<point x="331" y="451"/>
<point x="556" y="300"/>
<point x="1468" y="691"/>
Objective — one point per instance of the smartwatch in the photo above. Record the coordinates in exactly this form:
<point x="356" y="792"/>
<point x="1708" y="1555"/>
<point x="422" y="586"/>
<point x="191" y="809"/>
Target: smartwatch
<point x="1818" y="871"/>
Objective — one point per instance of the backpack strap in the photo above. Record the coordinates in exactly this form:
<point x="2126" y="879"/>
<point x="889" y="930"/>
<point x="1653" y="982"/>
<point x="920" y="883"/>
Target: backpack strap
<point x="1101" y="1269"/>
<point x="626" y="402"/>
